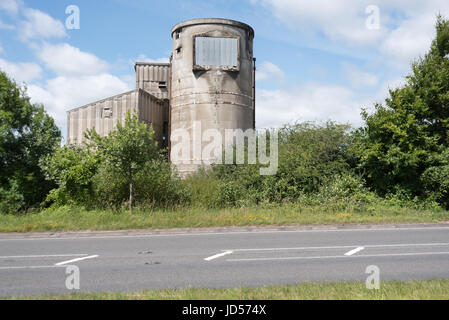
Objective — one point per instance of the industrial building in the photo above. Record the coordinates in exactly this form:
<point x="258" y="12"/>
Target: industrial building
<point x="210" y="80"/>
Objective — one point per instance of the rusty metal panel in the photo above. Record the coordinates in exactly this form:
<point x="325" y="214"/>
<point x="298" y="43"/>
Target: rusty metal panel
<point x="214" y="51"/>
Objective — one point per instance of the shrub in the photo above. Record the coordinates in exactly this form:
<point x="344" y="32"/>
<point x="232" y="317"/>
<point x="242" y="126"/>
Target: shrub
<point x="154" y="185"/>
<point x="72" y="168"/>
<point x="11" y="200"/>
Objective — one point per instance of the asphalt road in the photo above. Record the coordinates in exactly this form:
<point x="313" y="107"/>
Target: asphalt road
<point x="38" y="265"/>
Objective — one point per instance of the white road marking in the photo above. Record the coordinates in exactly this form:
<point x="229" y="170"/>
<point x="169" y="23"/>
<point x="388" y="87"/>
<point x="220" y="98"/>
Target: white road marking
<point x="340" y="247"/>
<point x="43" y="256"/>
<point x="229" y="233"/>
<point x="337" y="257"/>
<point x="350" y="253"/>
<point x="75" y="260"/>
<point x="29" y="267"/>
<point x="218" y="255"/>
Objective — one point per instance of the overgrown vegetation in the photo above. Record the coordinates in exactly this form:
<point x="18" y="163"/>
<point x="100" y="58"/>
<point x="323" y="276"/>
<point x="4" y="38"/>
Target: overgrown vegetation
<point x="398" y="159"/>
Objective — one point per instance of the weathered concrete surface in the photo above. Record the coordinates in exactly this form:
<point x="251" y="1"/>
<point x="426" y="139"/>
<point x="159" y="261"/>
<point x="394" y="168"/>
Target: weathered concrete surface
<point x="212" y="97"/>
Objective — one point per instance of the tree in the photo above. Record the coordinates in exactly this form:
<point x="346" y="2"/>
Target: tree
<point x="127" y="149"/>
<point x="27" y="133"/>
<point x="405" y="137"/>
<point x="73" y="169"/>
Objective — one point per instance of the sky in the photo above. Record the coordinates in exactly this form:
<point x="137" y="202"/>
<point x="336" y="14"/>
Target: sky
<point x="316" y="60"/>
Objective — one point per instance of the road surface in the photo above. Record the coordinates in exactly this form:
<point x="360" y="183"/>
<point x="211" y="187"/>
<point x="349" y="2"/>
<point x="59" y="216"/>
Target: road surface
<point x="32" y="265"/>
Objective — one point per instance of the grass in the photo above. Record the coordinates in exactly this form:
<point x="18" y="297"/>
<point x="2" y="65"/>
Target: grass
<point x="414" y="290"/>
<point x="76" y="219"/>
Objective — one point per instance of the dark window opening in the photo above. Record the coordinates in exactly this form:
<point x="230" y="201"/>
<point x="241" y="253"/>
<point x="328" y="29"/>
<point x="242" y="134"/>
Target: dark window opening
<point x="107" y="113"/>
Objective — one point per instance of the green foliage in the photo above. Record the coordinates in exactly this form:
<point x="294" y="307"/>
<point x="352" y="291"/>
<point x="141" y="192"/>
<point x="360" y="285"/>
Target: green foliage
<point x="308" y="155"/>
<point x="435" y="179"/>
<point x="154" y="185"/>
<point x="27" y="134"/>
<point x="73" y="169"/>
<point x="11" y="200"/>
<point x="126" y="150"/>
<point x="400" y="147"/>
<point x="399" y="158"/>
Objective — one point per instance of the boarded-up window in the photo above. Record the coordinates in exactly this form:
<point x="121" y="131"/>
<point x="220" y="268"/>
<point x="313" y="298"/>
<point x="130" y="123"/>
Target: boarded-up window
<point x="210" y="51"/>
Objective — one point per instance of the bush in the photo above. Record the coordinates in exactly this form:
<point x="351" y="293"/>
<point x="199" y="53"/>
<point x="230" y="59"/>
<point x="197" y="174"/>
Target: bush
<point x="203" y="189"/>
<point x="308" y="155"/>
<point x="73" y="169"/>
<point x="11" y="200"/>
<point x="154" y="187"/>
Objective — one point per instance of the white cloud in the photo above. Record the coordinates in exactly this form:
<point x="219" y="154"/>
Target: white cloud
<point x="39" y="25"/>
<point x="359" y="78"/>
<point x="67" y="60"/>
<point x="144" y="58"/>
<point x="307" y="102"/>
<point x="410" y="40"/>
<point x="338" y="20"/>
<point x="63" y="93"/>
<point x="10" y="6"/>
<point x="129" y="79"/>
<point x="406" y="26"/>
<point x="4" y="26"/>
<point x="22" y="71"/>
<point x="269" y="71"/>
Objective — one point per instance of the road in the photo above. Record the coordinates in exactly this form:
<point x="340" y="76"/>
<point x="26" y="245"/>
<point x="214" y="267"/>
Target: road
<point x="32" y="265"/>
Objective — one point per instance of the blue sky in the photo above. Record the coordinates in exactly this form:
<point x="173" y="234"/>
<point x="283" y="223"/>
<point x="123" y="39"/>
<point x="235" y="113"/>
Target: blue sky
<point x="317" y="60"/>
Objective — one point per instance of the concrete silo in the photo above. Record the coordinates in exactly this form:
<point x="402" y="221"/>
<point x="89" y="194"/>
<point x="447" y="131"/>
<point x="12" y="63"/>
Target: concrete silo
<point x="212" y="83"/>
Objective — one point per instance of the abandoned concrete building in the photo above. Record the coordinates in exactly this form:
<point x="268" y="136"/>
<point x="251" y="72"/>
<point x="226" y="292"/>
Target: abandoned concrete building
<point x="210" y="80"/>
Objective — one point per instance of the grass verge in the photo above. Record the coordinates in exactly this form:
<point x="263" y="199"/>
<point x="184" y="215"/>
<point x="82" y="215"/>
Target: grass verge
<point x="437" y="289"/>
<point x="76" y="219"/>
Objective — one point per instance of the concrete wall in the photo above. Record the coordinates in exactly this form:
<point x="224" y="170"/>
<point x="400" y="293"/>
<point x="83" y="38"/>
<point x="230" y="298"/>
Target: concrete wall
<point x="219" y="97"/>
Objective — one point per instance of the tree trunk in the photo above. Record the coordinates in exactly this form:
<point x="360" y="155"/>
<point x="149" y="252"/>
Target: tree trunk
<point x="131" y="191"/>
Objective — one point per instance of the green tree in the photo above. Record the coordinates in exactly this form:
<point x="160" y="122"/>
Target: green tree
<point x="27" y="133"/>
<point x="127" y="149"/>
<point x="73" y="169"/>
<point x="405" y="137"/>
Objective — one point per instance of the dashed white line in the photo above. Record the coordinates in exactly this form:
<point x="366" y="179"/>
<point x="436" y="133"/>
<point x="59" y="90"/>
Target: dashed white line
<point x="75" y="260"/>
<point x="218" y="255"/>
<point x="340" y="247"/>
<point x="43" y="256"/>
<point x="29" y="267"/>
<point x="350" y="253"/>
<point x="337" y="257"/>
